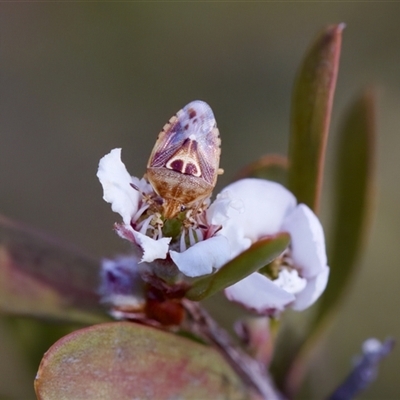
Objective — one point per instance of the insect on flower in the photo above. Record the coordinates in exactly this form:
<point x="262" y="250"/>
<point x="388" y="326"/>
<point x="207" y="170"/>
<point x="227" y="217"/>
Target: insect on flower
<point x="184" y="164"/>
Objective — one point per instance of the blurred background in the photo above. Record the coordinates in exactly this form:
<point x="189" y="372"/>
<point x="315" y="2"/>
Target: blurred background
<point x="77" y="80"/>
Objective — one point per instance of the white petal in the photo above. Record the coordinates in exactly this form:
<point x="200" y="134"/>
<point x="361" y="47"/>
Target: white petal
<point x="314" y="289"/>
<point x="152" y="249"/>
<point x="116" y="181"/>
<point x="203" y="257"/>
<point x="238" y="242"/>
<point x="218" y="214"/>
<point x="264" y="206"/>
<point x="307" y="241"/>
<point x="258" y="293"/>
<point x="219" y="211"/>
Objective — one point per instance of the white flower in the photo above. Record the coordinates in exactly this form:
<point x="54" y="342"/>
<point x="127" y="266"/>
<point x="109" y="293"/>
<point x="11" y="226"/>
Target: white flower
<point x="132" y="198"/>
<point x="243" y="213"/>
<point x="124" y="192"/>
<point x="269" y="208"/>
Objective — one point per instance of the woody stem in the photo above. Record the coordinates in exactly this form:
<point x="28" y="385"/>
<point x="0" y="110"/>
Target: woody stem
<point x="253" y="373"/>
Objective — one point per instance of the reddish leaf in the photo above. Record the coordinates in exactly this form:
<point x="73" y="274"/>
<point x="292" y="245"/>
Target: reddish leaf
<point x="124" y="360"/>
<point x="40" y="277"/>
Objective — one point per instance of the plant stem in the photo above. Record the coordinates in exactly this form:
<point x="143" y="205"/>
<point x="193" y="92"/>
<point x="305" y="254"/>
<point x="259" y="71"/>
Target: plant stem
<point x="253" y="373"/>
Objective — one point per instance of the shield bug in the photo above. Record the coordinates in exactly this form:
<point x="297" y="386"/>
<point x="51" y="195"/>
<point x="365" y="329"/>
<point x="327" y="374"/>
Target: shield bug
<point x="184" y="163"/>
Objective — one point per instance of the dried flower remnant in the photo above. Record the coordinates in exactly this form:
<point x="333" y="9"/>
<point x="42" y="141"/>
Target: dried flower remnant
<point x="121" y="284"/>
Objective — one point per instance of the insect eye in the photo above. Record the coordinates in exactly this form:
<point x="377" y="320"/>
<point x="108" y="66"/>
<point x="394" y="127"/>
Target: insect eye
<point x="183" y="208"/>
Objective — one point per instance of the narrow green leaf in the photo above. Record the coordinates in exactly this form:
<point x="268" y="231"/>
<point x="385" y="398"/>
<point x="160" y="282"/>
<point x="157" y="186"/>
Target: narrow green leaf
<point x="352" y="209"/>
<point x="124" y="360"/>
<point x="273" y="167"/>
<point x="257" y="256"/>
<point x="310" y="116"/>
<point x="42" y="278"/>
<point x="353" y="198"/>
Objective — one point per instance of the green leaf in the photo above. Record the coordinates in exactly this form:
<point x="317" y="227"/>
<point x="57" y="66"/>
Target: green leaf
<point x="124" y="360"/>
<point x="257" y="256"/>
<point x="273" y="167"/>
<point x="353" y="198"/>
<point x="310" y="116"/>
<point x="352" y="209"/>
<point x="42" y="278"/>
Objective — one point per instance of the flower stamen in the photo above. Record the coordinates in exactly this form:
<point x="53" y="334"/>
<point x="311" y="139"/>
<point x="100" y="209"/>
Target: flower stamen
<point x="140" y="212"/>
<point x="192" y="239"/>
<point x="144" y="225"/>
<point x="182" y="244"/>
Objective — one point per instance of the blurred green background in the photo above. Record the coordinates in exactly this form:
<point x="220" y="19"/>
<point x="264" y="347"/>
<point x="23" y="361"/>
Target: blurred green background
<point x="78" y="79"/>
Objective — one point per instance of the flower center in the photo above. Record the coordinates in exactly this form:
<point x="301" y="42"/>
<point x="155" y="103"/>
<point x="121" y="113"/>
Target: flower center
<point x="284" y="273"/>
<point x="186" y="229"/>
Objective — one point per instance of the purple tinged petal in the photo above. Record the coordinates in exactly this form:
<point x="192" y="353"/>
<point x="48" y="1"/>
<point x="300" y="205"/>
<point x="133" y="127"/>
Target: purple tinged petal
<point x="151" y="249"/>
<point x="258" y="293"/>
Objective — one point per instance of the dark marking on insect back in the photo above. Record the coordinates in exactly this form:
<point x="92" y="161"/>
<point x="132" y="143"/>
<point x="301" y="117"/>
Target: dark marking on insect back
<point x="177" y="165"/>
<point x="191" y="169"/>
<point x="192" y="113"/>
